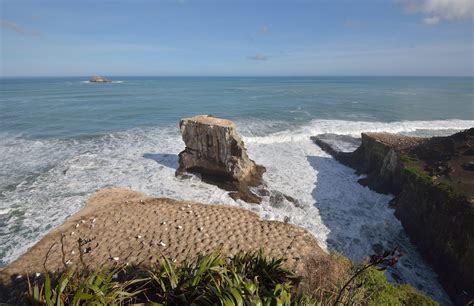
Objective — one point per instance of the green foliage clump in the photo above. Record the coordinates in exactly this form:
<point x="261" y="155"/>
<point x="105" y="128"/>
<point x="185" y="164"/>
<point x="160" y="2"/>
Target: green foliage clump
<point x="78" y="287"/>
<point x="421" y="176"/>
<point x="412" y="168"/>
<point x="245" y="279"/>
<point x="450" y="191"/>
<point x="381" y="292"/>
<point x="408" y="158"/>
<point x="250" y="279"/>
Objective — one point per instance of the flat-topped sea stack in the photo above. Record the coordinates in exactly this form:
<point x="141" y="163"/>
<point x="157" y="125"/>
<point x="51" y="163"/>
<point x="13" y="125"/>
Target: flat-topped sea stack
<point x="433" y="181"/>
<point x="99" y="79"/>
<point x="215" y="150"/>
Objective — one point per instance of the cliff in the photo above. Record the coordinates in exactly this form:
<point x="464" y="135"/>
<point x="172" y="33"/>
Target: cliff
<point x="433" y="181"/>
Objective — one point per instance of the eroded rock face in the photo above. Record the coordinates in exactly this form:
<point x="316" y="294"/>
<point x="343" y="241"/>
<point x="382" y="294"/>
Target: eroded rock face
<point x="215" y="150"/>
<point x="434" y="192"/>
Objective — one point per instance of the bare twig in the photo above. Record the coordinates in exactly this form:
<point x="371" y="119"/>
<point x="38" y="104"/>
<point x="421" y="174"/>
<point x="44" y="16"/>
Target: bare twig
<point x="47" y="256"/>
<point x="63" y="251"/>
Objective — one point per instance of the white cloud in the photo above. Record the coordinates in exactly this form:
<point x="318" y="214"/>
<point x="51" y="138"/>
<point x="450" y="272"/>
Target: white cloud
<point x="436" y="10"/>
<point x="18" y="28"/>
<point x="431" y="20"/>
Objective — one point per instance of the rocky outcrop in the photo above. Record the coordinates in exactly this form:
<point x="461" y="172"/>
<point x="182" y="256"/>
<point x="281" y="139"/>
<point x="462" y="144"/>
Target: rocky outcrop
<point x="121" y="226"/>
<point x="434" y="192"/>
<point x="215" y="150"/>
<point x="99" y="79"/>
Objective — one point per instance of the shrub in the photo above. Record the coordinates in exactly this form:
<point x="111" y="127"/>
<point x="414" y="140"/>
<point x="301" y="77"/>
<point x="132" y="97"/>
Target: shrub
<point x="245" y="279"/>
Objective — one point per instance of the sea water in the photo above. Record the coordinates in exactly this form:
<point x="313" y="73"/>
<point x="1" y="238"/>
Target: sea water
<point x="62" y="139"/>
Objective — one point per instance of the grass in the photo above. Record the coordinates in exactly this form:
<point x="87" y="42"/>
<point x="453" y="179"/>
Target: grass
<point x="419" y="174"/>
<point x="412" y="168"/>
<point x="245" y="279"/>
<point x="408" y="158"/>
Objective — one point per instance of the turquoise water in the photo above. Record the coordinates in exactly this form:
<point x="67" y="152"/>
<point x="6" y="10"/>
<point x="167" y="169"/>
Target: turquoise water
<point x="62" y="139"/>
<point x="67" y="107"/>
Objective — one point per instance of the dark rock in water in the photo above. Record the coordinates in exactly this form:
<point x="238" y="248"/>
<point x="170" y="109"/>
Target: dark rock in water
<point x="99" y="79"/>
<point x="434" y="187"/>
<point x="335" y="144"/>
<point x="216" y="151"/>
<point x="279" y="200"/>
<point x="378" y="248"/>
<point x="339" y="146"/>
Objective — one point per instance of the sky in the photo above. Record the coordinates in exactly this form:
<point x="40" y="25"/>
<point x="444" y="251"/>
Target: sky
<point x="236" y="38"/>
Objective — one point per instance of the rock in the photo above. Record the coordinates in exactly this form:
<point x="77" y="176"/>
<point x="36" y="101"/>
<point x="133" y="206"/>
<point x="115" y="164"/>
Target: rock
<point x="376" y="156"/>
<point x="215" y="150"/>
<point x="279" y="200"/>
<point x="434" y="188"/>
<point x="336" y="144"/>
<point x="468" y="166"/>
<point x="99" y="79"/>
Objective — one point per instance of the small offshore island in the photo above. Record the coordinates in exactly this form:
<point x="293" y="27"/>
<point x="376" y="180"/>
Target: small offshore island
<point x="99" y="79"/>
<point x="180" y="252"/>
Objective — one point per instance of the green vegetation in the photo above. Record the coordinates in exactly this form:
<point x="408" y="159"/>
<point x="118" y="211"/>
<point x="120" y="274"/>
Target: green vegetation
<point x="408" y="158"/>
<point x="245" y="279"/>
<point x="412" y="168"/>
<point x="381" y="292"/>
<point x="419" y="174"/>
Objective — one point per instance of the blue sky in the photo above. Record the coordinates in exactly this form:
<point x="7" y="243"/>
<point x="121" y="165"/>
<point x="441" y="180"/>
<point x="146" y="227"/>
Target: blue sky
<point x="227" y="38"/>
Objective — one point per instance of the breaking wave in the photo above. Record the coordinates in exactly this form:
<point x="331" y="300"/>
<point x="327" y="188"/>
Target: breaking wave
<point x="42" y="182"/>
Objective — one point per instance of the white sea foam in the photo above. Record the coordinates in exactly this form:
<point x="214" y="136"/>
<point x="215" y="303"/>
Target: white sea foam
<point x="355" y="128"/>
<point x="44" y="181"/>
<point x="89" y="82"/>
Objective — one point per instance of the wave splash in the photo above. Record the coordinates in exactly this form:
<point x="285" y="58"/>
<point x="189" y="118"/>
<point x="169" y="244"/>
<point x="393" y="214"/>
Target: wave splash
<point x="44" y="181"/>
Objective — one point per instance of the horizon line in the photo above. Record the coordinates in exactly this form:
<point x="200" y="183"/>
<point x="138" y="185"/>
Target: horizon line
<point x="230" y="76"/>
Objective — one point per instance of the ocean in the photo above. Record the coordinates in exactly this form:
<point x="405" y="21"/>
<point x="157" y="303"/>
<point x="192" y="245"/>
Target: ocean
<point x="62" y="139"/>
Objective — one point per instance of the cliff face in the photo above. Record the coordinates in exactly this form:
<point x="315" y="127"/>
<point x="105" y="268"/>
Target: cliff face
<point x="216" y="151"/>
<point x="434" y="185"/>
<point x="441" y="224"/>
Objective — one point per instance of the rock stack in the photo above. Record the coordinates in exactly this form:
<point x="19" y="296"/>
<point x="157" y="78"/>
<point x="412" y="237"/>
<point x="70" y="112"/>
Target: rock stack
<point x="99" y="79"/>
<point x="216" y="151"/>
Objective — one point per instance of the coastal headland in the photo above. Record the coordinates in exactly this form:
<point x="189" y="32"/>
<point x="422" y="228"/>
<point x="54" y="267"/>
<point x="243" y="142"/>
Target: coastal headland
<point x="123" y="226"/>
<point x="433" y="183"/>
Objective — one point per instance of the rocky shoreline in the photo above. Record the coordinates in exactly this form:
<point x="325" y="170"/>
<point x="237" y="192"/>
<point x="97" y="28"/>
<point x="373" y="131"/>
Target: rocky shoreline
<point x="123" y="227"/>
<point x="434" y="187"/>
